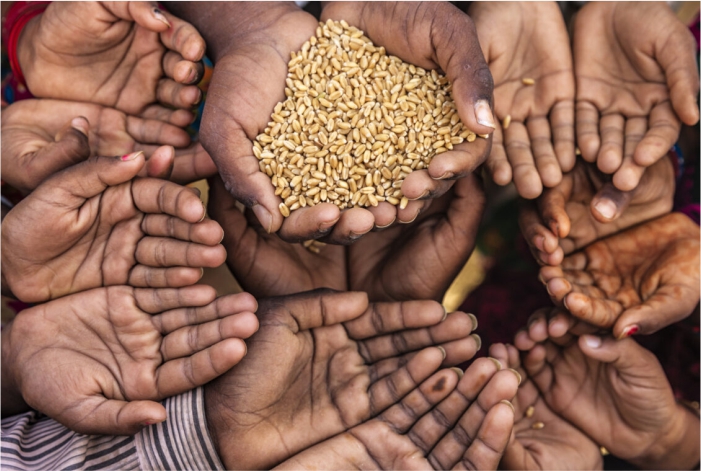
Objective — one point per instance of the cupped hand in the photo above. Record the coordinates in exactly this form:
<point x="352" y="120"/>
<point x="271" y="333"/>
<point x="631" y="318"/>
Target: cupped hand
<point x="637" y="281"/>
<point x="528" y="41"/>
<point x="432" y="36"/>
<point x="617" y="393"/>
<point x="586" y="207"/>
<point x="97" y="361"/>
<point x="323" y="362"/>
<point x="439" y="425"/>
<point x="557" y="444"/>
<point x="94" y="224"/>
<point x="125" y="55"/>
<point x="42" y="137"/>
<point x="637" y="80"/>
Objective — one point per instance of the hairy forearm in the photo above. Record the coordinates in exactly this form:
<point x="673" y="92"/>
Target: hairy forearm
<point x="12" y="401"/>
<point x="223" y="24"/>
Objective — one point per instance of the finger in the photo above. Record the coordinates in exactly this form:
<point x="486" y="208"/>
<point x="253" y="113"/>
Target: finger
<point x="159" y="196"/>
<point x="486" y="450"/>
<point x="385" y="318"/>
<point x="318" y="221"/>
<point x="352" y="225"/>
<point x="538" y="326"/>
<point x="497" y="164"/>
<point x="170" y="93"/>
<point x="518" y="150"/>
<point x="184" y="39"/>
<point x="146" y="14"/>
<point x="678" y="59"/>
<point x="411" y="211"/>
<point x="148" y="277"/>
<point x="609" y="203"/>
<point x="179" y="118"/>
<point x="420" y="185"/>
<point x="155" y="301"/>
<point x="150" y="131"/>
<point x="160" y="163"/>
<point x="663" y="131"/>
<point x="181" y="70"/>
<point x="165" y="252"/>
<point x="384" y="214"/>
<point x="553" y="209"/>
<point x="188" y="340"/>
<point x="611" y="152"/>
<point x="99" y="416"/>
<point x="318" y="308"/>
<point x="543" y="243"/>
<point x="562" y="124"/>
<point x="191" y="163"/>
<point x="537" y="367"/>
<point x="622" y="354"/>
<point x="601" y="312"/>
<point x="558" y="288"/>
<point x="69" y="147"/>
<point x="207" y="232"/>
<point x="587" y="129"/>
<point x="464" y="159"/>
<point x="629" y="174"/>
<point x="222" y="307"/>
<point x="543" y="152"/>
<point x="183" y="374"/>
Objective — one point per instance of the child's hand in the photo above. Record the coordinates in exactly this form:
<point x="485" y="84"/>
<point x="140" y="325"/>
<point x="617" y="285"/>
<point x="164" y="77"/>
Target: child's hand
<point x="617" y="393"/>
<point x="126" y="55"/>
<point x="520" y="42"/>
<point x="96" y="361"/>
<point x="637" y="281"/>
<point x="586" y="206"/>
<point x="637" y="80"/>
<point x="42" y="137"/>
<point x="94" y="225"/>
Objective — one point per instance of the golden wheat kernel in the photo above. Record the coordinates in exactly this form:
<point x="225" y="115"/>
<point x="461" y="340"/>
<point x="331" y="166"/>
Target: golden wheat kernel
<point x="530" y="411"/>
<point x="284" y="210"/>
<point x="505" y="123"/>
<point x="537" y="425"/>
<point x="527" y="81"/>
<point x="403" y="202"/>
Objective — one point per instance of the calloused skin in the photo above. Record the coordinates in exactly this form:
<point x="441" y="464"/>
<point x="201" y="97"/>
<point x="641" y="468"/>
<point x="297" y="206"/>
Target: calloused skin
<point x="98" y="360"/>
<point x="558" y="445"/>
<point x="39" y="140"/>
<point x="616" y="392"/>
<point x="637" y="281"/>
<point x="322" y="363"/>
<point x="569" y="216"/>
<point x="251" y="45"/>
<point x="637" y="81"/>
<point x="403" y="262"/>
<point x="529" y="41"/>
<point x="94" y="224"/>
<point x="439" y="425"/>
<point x="116" y="54"/>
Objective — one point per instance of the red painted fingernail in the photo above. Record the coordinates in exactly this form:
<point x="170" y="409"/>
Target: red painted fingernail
<point x="148" y="422"/>
<point x="131" y="156"/>
<point x="628" y="331"/>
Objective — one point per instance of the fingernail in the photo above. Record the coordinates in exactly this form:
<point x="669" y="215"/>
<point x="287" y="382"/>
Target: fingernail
<point x="193" y="75"/>
<point x="158" y="14"/>
<point x="386" y="225"/>
<point x="422" y="195"/>
<point x="592" y="341"/>
<point x="445" y="313"/>
<point x="540" y="278"/>
<point x="473" y="318"/>
<point x="508" y="403"/>
<point x="496" y="362"/>
<point x="148" y="423"/>
<point x="412" y="220"/>
<point x="628" y="331"/>
<point x="478" y="340"/>
<point x="518" y="375"/>
<point x="204" y="212"/>
<point x="131" y="156"/>
<point x="264" y="216"/>
<point x="201" y="273"/>
<point x="606" y="208"/>
<point x="484" y="114"/>
<point x="445" y="176"/>
<point x="222" y="237"/>
<point x="80" y="124"/>
<point x="547" y="288"/>
<point x="564" y="302"/>
<point x="442" y="351"/>
<point x="199" y="97"/>
<point x="460" y="372"/>
<point x="328" y="225"/>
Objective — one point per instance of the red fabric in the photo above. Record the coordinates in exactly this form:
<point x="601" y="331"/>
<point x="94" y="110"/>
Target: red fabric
<point x="19" y="14"/>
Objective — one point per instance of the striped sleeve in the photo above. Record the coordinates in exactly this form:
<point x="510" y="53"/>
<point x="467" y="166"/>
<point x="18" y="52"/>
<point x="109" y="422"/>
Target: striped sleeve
<point x="33" y="441"/>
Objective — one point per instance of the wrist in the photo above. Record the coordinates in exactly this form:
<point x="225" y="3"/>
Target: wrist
<point x="678" y="448"/>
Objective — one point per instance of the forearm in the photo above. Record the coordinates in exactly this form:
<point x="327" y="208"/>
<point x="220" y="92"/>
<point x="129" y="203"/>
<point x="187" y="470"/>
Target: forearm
<point x="223" y="24"/>
<point x="12" y="401"/>
<point x="683" y="450"/>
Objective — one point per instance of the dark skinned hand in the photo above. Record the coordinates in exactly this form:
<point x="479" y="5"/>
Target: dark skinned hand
<point x="586" y="207"/>
<point x="528" y="41"/>
<point x="637" y="281"/>
<point x="439" y="425"/>
<point x="637" y="81"/>
<point x="125" y="55"/>
<point x="321" y="363"/>
<point x="94" y="224"/>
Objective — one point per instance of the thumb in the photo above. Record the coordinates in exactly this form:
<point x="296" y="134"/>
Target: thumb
<point x="146" y="14"/>
<point x="112" y="417"/>
<point x="622" y="354"/>
<point x="161" y="163"/>
<point x="609" y="203"/>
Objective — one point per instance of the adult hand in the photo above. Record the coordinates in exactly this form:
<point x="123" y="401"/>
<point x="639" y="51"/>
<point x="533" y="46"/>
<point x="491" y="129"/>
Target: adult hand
<point x="637" y="281"/>
<point x="617" y="393"/>
<point x="39" y="140"/>
<point x="637" y="77"/>
<point x="321" y="363"/>
<point x="557" y="445"/>
<point x="125" y="55"/>
<point x="432" y="36"/>
<point x="94" y="225"/>
<point x="520" y="42"/>
<point x="96" y="361"/>
<point x="439" y="425"/>
<point x="586" y="207"/>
